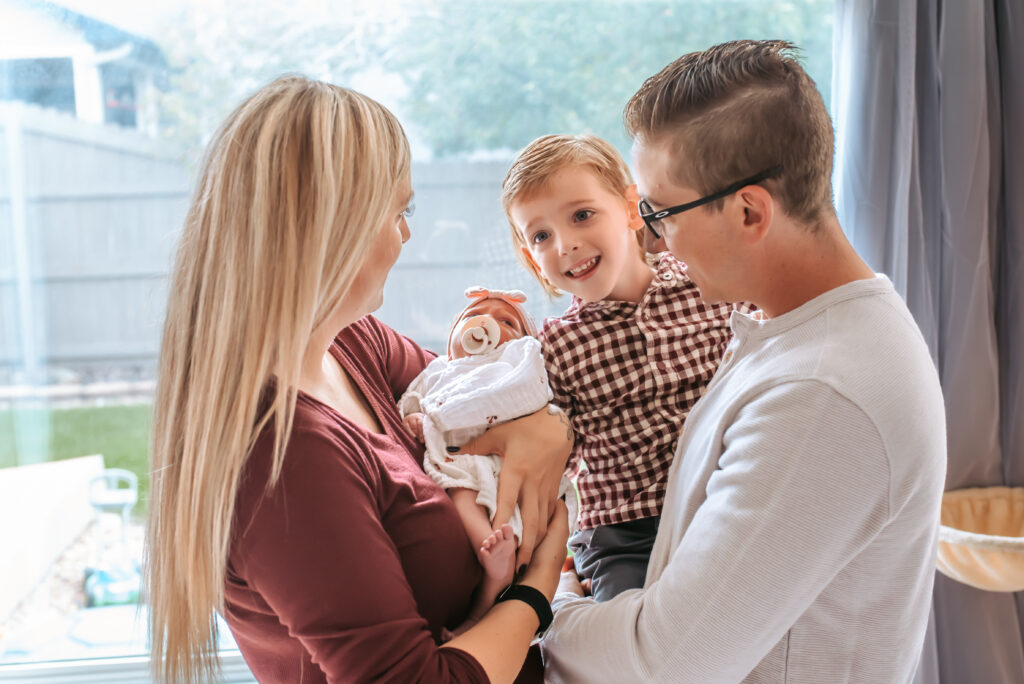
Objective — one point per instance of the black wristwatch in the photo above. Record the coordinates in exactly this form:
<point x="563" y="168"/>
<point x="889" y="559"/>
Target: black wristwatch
<point x="531" y="597"/>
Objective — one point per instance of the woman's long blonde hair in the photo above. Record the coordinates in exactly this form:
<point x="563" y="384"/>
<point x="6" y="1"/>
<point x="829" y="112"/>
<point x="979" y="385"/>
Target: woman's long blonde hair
<point x="293" y="186"/>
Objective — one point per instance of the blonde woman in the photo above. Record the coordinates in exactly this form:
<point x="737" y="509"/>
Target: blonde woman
<point x="287" y="495"/>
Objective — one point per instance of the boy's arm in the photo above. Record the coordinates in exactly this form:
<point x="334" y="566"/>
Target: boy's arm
<point x="560" y="395"/>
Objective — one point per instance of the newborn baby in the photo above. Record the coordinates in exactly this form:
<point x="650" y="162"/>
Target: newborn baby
<point x="494" y="372"/>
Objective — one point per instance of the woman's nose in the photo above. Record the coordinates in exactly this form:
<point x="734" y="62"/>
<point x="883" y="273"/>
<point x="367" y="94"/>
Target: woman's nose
<point x="403" y="226"/>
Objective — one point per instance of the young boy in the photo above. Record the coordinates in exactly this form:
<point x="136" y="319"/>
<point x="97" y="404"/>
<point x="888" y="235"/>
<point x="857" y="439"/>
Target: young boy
<point x="630" y="355"/>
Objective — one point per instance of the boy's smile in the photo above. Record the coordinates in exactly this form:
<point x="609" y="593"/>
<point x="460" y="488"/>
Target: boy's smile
<point x="577" y="233"/>
<point x="584" y="269"/>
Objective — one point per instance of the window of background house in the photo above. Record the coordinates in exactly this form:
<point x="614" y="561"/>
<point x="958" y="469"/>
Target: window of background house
<point x="104" y="110"/>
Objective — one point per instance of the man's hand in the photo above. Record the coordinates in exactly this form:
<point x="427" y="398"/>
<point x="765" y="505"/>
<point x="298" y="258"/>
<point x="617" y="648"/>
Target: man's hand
<point x="534" y="451"/>
<point x="569" y="581"/>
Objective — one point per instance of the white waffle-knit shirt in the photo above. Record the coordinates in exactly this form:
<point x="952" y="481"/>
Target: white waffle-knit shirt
<point x="797" y="542"/>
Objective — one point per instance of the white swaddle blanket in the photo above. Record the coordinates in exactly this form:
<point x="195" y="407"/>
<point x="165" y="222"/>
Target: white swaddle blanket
<point x="461" y="398"/>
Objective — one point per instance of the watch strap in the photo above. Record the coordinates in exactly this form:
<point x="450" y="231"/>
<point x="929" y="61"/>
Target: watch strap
<point x="533" y="598"/>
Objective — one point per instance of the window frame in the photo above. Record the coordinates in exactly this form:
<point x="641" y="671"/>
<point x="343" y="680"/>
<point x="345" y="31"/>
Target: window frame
<point x="121" y="670"/>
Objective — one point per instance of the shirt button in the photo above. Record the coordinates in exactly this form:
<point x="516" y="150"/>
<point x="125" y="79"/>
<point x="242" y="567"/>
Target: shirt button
<point x="728" y="355"/>
<point x="666" y="276"/>
<point x="663" y="367"/>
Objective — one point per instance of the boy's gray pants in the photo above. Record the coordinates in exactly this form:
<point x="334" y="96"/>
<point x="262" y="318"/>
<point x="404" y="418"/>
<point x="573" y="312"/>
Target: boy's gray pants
<point x="614" y="557"/>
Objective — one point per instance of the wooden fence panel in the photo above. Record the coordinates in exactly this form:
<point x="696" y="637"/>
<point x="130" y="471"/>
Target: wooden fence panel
<point x="101" y="212"/>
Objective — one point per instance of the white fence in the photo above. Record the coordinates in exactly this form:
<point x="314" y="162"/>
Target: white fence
<point x="89" y="217"/>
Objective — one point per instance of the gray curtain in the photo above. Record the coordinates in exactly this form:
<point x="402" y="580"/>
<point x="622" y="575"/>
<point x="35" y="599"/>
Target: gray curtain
<point x="928" y="101"/>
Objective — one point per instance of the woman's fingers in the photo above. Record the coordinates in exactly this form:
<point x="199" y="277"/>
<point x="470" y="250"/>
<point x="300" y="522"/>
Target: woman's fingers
<point x="529" y="510"/>
<point x="491" y="442"/>
<point x="549" y="556"/>
<point x="552" y="546"/>
<point x="510" y="484"/>
<point x="534" y="450"/>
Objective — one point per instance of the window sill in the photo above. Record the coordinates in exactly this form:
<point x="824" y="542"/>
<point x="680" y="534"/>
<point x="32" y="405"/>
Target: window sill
<point x="133" y="669"/>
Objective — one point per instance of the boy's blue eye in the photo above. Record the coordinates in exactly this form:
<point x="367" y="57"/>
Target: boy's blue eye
<point x="582" y="215"/>
<point x="539" y="236"/>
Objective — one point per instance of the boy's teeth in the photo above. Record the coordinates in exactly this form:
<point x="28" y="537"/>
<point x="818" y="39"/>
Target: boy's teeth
<point x="576" y="270"/>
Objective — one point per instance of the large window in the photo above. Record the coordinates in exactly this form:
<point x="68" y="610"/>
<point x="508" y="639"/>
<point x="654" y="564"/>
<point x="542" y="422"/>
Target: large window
<point x="97" y="154"/>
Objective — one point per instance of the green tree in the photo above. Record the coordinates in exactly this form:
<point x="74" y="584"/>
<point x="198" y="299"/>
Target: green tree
<point x="221" y="52"/>
<point x="493" y="75"/>
<point x="473" y="75"/>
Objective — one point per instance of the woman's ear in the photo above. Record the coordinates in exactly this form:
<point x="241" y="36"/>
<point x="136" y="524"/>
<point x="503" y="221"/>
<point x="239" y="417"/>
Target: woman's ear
<point x="632" y="198"/>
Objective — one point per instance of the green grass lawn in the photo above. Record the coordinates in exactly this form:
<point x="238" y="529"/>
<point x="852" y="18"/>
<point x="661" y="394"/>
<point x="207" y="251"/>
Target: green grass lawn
<point x="120" y="433"/>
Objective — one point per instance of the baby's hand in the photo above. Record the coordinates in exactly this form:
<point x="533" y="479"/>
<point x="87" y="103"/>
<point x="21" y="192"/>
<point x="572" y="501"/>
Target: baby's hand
<point x="414" y="424"/>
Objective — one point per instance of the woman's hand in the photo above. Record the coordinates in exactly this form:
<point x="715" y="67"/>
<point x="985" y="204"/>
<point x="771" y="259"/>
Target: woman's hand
<point x="549" y="557"/>
<point x="534" y="449"/>
<point x="499" y="640"/>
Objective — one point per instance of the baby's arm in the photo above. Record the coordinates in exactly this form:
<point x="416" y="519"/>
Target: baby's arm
<point x="414" y="424"/>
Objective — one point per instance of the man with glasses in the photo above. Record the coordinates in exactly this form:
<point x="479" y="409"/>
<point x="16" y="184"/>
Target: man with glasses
<point x="797" y="539"/>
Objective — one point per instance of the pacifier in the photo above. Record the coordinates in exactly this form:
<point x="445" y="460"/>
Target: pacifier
<point x="479" y="335"/>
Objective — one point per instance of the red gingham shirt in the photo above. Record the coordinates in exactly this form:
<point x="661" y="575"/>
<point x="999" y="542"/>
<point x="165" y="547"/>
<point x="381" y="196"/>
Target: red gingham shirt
<point x="627" y="374"/>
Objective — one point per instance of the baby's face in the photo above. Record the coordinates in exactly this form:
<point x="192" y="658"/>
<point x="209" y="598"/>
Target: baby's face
<point x="505" y="321"/>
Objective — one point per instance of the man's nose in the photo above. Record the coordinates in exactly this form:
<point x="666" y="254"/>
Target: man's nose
<point x="405" y="230"/>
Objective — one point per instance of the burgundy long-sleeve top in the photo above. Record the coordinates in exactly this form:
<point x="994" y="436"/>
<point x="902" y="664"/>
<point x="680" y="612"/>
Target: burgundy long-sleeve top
<point x="349" y="568"/>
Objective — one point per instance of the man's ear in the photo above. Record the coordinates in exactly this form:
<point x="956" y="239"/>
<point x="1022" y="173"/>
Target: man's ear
<point x="758" y="209"/>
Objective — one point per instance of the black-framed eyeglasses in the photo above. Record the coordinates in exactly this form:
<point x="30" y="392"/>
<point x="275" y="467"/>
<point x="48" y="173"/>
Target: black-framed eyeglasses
<point x="653" y="219"/>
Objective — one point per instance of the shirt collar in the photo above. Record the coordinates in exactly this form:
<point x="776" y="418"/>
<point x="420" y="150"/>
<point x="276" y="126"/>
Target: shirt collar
<point x="757" y="325"/>
<point x="668" y="271"/>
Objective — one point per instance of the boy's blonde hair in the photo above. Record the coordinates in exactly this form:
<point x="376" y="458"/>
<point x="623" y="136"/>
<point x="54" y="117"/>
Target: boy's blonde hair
<point x="541" y="159"/>
<point x="293" y="186"/>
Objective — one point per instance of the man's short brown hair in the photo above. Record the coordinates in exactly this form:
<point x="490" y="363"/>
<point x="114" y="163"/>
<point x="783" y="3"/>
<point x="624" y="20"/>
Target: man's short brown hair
<point x="545" y="156"/>
<point x="735" y="110"/>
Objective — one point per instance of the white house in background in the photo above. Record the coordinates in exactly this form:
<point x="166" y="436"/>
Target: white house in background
<point x="60" y="59"/>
